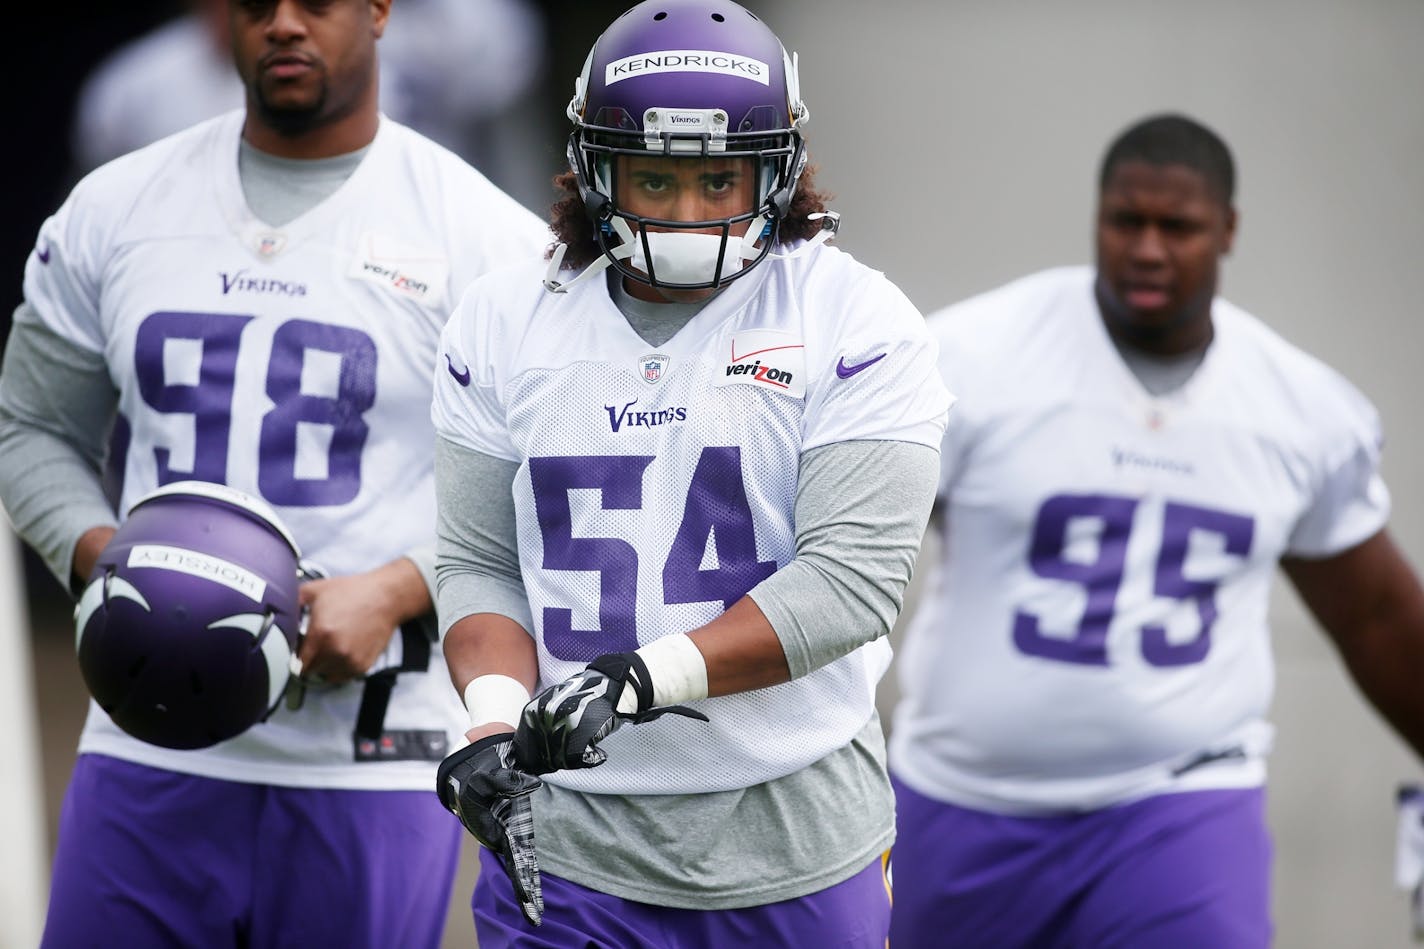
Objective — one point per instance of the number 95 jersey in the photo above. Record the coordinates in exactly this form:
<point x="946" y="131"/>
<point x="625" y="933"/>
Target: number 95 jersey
<point x="289" y="362"/>
<point x="1097" y="630"/>
<point x="657" y="484"/>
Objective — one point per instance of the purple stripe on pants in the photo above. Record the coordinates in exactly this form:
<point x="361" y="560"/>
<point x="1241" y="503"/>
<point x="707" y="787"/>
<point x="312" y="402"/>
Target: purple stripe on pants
<point x="853" y="914"/>
<point x="1184" y="870"/>
<point x="153" y="858"/>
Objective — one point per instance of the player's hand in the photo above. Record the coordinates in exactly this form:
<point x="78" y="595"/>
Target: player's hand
<point x="350" y="622"/>
<point x="480" y="785"/>
<point x="562" y="725"/>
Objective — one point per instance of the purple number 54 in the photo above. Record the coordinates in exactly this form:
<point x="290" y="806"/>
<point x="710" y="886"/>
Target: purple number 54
<point x="1102" y="577"/>
<point x="716" y="509"/>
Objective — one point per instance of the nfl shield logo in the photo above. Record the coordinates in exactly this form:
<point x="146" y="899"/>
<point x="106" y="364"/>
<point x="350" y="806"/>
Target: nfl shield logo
<point x="653" y="366"/>
<point x="269" y="245"/>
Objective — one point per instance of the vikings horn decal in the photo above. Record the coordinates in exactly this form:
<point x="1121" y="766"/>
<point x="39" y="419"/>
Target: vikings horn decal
<point x="94" y="596"/>
<point x="274" y="649"/>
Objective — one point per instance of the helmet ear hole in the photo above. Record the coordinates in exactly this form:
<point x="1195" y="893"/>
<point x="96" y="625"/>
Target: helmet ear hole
<point x="185" y="632"/>
<point x="597" y="206"/>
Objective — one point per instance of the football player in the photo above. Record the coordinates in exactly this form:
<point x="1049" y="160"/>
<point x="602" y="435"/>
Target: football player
<point x="256" y="302"/>
<point x="1079" y="753"/>
<point x="684" y="465"/>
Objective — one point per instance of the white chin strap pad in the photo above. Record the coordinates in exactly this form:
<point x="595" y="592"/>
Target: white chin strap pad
<point x="685" y="258"/>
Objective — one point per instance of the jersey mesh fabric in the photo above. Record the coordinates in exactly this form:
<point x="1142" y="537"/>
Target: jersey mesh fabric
<point x="767" y="452"/>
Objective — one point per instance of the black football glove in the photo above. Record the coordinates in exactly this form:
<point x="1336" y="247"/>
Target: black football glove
<point x="562" y="725"/>
<point x="480" y="785"/>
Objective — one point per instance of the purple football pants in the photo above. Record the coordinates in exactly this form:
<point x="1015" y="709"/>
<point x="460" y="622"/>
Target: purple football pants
<point x="1179" y="871"/>
<point x="854" y="914"/>
<point x="153" y="858"/>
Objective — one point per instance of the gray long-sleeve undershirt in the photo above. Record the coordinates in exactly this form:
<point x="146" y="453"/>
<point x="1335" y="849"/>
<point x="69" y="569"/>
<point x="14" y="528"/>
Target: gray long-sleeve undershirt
<point x="57" y="406"/>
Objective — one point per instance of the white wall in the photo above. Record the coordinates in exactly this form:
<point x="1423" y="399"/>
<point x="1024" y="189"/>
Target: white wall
<point x="24" y="876"/>
<point x="964" y="139"/>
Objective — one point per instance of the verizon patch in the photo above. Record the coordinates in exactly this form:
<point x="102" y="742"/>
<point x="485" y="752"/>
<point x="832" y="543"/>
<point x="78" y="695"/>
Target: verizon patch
<point x="407" y="271"/>
<point x="771" y="359"/>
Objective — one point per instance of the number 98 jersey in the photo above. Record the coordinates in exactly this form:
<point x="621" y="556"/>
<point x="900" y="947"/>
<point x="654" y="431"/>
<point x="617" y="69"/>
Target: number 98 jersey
<point x="289" y="362"/>
<point x="1096" y="630"/>
<point x="657" y="485"/>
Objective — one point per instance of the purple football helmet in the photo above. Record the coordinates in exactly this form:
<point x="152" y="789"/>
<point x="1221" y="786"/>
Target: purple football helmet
<point x="693" y="80"/>
<point x="189" y="622"/>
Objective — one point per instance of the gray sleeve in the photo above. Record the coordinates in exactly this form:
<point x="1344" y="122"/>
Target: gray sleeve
<point x="861" y="511"/>
<point x="57" y="408"/>
<point x="424" y="560"/>
<point x="476" y="554"/>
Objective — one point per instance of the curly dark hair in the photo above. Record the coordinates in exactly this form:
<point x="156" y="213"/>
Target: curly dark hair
<point x="571" y="225"/>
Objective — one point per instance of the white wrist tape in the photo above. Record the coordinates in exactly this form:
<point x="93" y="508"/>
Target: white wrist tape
<point x="495" y="698"/>
<point x="678" y="671"/>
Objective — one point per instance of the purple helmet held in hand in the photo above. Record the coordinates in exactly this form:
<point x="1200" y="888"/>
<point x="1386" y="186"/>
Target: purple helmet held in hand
<point x="706" y="87"/>
<point x="187" y="628"/>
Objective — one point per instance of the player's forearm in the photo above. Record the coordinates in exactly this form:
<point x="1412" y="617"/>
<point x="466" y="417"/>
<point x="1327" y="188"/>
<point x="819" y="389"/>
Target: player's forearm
<point x="403" y="588"/>
<point x="490" y="644"/>
<point x="88" y="549"/>
<point x="741" y="651"/>
<point x="1368" y="599"/>
<point x="1386" y="659"/>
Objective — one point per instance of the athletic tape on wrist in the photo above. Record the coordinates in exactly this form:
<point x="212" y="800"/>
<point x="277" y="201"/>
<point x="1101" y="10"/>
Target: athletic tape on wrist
<point x="495" y="698"/>
<point x="678" y="671"/>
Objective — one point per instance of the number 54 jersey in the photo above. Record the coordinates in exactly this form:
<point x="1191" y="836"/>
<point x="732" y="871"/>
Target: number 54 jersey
<point x="292" y="363"/>
<point x="657" y="484"/>
<point x="1097" y="630"/>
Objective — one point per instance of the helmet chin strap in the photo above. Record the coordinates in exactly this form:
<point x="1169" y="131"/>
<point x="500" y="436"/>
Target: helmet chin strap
<point x="746" y="248"/>
<point x="828" y="230"/>
<point x="622" y="252"/>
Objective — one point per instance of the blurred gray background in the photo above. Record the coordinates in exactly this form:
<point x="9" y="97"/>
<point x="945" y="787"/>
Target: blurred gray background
<point x="963" y="140"/>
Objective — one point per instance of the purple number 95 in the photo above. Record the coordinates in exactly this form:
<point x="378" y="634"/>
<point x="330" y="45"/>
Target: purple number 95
<point x="1103" y="576"/>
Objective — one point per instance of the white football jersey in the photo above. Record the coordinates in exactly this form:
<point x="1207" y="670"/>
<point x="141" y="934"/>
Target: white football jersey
<point x="657" y="484"/>
<point x="1097" y="629"/>
<point x="292" y="363"/>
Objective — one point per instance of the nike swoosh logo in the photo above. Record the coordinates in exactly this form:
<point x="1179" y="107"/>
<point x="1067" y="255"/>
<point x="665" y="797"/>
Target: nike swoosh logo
<point x="43" y="255"/>
<point x="462" y="377"/>
<point x="845" y="372"/>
